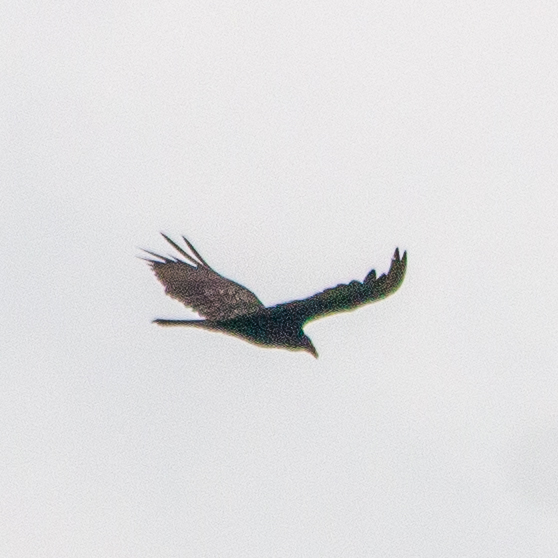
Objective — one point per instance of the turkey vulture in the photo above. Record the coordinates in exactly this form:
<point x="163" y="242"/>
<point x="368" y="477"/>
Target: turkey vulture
<point x="231" y="308"/>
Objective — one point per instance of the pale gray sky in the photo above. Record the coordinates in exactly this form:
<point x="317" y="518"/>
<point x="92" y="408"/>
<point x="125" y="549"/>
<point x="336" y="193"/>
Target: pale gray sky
<point x="296" y="144"/>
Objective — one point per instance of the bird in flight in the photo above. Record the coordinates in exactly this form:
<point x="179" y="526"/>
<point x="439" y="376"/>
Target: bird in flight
<point x="231" y="308"/>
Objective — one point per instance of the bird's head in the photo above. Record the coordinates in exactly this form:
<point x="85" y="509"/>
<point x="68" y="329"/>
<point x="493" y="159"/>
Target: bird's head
<point x="306" y="345"/>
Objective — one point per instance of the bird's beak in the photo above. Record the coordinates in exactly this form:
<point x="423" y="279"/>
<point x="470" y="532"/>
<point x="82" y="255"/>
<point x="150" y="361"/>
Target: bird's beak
<point x="312" y="350"/>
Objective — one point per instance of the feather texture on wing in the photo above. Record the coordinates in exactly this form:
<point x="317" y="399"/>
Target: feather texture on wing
<point x="348" y="297"/>
<point x="199" y="287"/>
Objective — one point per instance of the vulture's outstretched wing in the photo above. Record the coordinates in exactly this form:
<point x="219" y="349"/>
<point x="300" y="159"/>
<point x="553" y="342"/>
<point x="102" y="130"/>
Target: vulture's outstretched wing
<point x="201" y="288"/>
<point x="348" y="297"/>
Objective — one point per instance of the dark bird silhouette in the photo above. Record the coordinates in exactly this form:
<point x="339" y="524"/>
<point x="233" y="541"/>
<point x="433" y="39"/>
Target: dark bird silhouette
<point x="231" y="308"/>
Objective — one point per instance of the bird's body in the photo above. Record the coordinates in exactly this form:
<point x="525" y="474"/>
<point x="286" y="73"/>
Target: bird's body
<point x="231" y="308"/>
<point x="268" y="328"/>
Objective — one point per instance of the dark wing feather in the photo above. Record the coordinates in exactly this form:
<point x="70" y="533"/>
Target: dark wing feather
<point x="201" y="288"/>
<point x="348" y="297"/>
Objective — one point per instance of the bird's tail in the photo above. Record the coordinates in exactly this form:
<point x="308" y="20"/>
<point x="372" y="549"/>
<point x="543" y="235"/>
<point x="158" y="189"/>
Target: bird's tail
<point x="195" y="323"/>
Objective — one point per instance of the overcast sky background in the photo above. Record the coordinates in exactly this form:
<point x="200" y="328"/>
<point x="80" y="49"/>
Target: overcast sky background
<point x="296" y="144"/>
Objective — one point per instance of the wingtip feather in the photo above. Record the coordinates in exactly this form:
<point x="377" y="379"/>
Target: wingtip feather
<point x="199" y="262"/>
<point x="165" y="259"/>
<point x="196" y="253"/>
